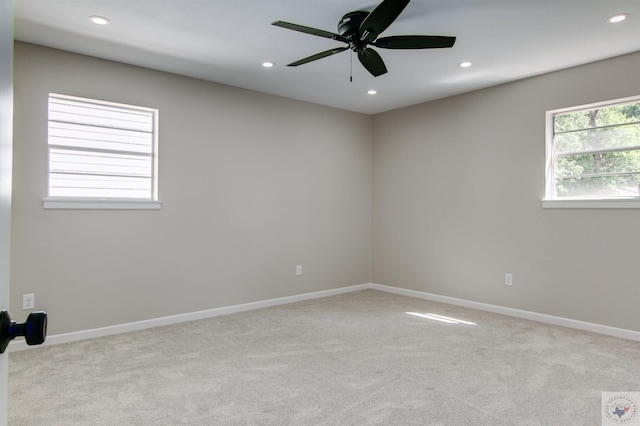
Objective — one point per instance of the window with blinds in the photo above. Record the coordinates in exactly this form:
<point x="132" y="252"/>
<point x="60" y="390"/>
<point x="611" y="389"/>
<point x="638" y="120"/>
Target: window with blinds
<point x="593" y="152"/>
<point x="101" y="150"/>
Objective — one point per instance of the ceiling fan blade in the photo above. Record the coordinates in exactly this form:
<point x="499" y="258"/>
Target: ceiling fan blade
<point x="318" y="56"/>
<point x="372" y="61"/>
<point x="380" y="18"/>
<point x="414" y="42"/>
<point x="309" y="30"/>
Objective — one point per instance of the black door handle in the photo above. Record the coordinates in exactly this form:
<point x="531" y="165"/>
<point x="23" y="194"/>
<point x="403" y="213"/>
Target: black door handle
<point x="34" y="329"/>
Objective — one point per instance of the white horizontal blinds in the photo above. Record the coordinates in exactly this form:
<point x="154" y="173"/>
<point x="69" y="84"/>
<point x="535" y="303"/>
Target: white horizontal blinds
<point x="99" y="150"/>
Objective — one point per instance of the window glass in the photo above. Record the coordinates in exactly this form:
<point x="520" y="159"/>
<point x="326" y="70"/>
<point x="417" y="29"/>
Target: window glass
<point x="594" y="152"/>
<point x="101" y="150"/>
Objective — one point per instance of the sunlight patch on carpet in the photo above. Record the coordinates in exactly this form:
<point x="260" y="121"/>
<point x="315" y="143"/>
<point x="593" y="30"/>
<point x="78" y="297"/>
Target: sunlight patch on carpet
<point x="441" y="318"/>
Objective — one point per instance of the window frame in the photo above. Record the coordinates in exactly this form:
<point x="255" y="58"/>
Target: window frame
<point x="551" y="200"/>
<point x="111" y="203"/>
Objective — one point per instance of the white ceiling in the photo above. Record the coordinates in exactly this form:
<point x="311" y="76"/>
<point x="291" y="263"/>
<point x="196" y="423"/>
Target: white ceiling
<point x="227" y="41"/>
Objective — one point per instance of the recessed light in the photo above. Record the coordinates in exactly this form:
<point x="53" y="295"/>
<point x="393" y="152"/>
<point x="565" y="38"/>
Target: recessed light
<point x="617" y="18"/>
<point x="372" y="92"/>
<point x="99" y="20"/>
<point x="465" y="64"/>
<point x="268" y="64"/>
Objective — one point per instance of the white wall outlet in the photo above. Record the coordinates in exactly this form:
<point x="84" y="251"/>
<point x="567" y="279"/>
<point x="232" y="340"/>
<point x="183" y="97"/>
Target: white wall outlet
<point x="508" y="279"/>
<point x="28" y="301"/>
<point x="298" y="270"/>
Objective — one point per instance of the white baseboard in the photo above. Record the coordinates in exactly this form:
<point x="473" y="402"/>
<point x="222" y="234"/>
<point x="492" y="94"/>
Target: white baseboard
<point x="534" y="316"/>
<point x="57" y="339"/>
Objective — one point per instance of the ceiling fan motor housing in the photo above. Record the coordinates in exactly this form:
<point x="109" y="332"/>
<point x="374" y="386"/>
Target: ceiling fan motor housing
<point x="350" y="23"/>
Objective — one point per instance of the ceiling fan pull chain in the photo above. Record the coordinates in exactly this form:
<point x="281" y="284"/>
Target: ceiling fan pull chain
<point x="351" y="68"/>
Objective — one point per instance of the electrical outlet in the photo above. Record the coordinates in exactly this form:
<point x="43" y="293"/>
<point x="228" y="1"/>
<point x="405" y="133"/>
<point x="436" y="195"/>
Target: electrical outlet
<point x="28" y="301"/>
<point x="298" y="270"/>
<point x="508" y="279"/>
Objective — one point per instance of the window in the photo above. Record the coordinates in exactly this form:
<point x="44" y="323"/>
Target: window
<point x="593" y="155"/>
<point x="101" y="154"/>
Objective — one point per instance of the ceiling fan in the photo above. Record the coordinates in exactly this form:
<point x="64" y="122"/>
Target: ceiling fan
<point x="361" y="29"/>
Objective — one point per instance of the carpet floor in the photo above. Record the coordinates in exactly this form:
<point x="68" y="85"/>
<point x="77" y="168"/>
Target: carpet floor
<point x="362" y="358"/>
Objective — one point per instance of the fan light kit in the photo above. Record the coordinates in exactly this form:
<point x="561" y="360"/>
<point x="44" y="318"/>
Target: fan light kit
<point x="268" y="64"/>
<point x="360" y="29"/>
<point x="99" y="20"/>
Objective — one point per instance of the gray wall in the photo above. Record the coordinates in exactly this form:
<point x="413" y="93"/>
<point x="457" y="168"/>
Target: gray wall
<point x="251" y="186"/>
<point x="457" y="190"/>
<point x="254" y="184"/>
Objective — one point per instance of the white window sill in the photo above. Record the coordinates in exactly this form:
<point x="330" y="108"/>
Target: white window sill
<point x="629" y="203"/>
<point x="99" y="204"/>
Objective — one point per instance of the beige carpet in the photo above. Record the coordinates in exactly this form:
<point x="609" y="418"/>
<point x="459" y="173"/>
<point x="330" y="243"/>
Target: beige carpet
<point x="353" y="359"/>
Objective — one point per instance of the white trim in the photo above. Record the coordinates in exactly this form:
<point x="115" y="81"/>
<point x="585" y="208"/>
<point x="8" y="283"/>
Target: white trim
<point x="101" y="102"/>
<point x="591" y="204"/>
<point x="58" y="339"/>
<point x="534" y="316"/>
<point x="600" y="104"/>
<point x="100" y="204"/>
